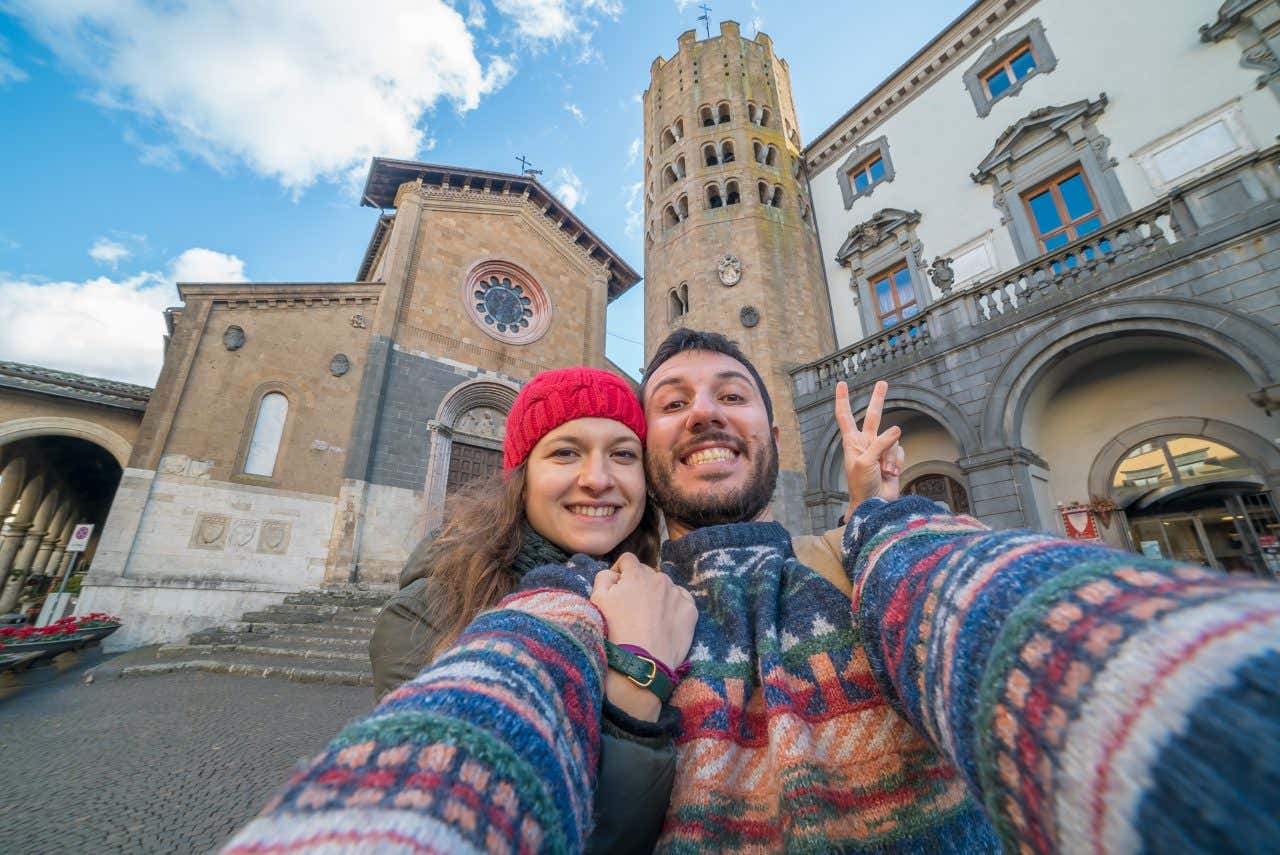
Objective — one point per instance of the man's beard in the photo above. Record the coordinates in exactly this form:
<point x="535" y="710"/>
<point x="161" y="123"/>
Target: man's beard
<point x="705" y="507"/>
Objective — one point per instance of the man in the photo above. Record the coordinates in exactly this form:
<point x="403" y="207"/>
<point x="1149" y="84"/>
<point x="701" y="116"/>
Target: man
<point x="986" y="689"/>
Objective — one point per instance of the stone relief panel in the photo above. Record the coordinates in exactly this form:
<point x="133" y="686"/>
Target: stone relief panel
<point x="482" y="421"/>
<point x="274" y="539"/>
<point x="181" y="464"/>
<point x="730" y="270"/>
<point x="233" y="338"/>
<point x="210" y="531"/>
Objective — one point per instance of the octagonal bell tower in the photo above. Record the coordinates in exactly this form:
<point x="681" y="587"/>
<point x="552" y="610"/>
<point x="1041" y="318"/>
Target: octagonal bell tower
<point x="730" y="240"/>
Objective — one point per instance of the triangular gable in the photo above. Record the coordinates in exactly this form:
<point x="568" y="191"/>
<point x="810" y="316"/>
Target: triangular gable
<point x="872" y="232"/>
<point x="1034" y="130"/>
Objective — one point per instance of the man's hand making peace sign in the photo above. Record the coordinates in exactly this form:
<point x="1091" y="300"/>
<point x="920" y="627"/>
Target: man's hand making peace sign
<point x="872" y="460"/>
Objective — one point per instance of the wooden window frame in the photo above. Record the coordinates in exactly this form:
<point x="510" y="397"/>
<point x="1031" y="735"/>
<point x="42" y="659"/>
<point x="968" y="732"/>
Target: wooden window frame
<point x="1068" y="225"/>
<point x="888" y="273"/>
<point x="1005" y="63"/>
<point x="865" y="166"/>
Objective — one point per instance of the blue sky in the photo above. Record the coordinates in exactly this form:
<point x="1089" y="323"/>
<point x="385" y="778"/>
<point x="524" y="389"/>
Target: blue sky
<point x="147" y="143"/>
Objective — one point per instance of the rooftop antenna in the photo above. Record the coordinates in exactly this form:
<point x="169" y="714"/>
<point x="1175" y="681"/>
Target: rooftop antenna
<point x="705" y="17"/>
<point x="525" y="168"/>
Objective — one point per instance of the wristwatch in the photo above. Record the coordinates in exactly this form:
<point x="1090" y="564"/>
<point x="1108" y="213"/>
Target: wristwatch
<point x="641" y="670"/>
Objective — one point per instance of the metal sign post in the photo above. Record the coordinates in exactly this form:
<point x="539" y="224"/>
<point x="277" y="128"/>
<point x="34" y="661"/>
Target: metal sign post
<point x="55" y="604"/>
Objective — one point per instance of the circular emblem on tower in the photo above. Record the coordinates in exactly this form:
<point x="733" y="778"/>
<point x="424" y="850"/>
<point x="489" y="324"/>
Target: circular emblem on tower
<point x="749" y="316"/>
<point x="506" y="302"/>
<point x="730" y="268"/>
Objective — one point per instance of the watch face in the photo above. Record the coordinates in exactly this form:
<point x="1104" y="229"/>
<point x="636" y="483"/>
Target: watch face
<point x="503" y="304"/>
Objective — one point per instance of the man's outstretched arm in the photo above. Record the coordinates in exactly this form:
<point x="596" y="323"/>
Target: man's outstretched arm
<point x="1094" y="700"/>
<point x="494" y="747"/>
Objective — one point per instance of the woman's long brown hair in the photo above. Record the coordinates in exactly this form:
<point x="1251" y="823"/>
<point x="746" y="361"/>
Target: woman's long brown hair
<point x="471" y="560"/>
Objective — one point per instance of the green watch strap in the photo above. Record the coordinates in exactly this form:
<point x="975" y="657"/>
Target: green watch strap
<point x="642" y="671"/>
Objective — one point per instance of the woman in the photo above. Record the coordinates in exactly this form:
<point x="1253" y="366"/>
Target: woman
<point x="573" y="482"/>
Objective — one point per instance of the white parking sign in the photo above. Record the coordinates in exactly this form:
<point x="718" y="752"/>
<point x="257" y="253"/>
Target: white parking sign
<point x="80" y="538"/>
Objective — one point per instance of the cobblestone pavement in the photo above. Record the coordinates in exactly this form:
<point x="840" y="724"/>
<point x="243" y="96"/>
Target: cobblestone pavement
<point x="172" y="763"/>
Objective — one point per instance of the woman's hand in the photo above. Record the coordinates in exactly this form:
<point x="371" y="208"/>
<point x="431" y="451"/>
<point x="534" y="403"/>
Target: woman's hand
<point x="872" y="460"/>
<point x="643" y="607"/>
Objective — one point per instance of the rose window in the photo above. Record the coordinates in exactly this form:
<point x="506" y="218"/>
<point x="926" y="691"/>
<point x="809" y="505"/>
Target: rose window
<point x="503" y="304"/>
<point x="506" y="302"/>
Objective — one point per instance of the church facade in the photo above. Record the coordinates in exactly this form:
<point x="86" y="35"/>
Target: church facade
<point x="307" y="435"/>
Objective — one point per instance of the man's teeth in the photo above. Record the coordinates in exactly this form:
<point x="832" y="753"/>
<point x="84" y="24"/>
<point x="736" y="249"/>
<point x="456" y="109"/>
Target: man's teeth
<point x="593" y="510"/>
<point x="707" y="455"/>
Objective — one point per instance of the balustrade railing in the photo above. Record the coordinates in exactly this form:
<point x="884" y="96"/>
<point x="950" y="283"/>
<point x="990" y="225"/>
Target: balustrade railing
<point x="898" y="342"/>
<point x="1063" y="269"/>
<point x="1013" y="293"/>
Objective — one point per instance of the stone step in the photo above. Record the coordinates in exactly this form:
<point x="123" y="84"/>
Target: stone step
<point x="340" y="673"/>
<point x="327" y="630"/>
<point x="299" y="635"/>
<point x="308" y="608"/>
<point x="283" y="617"/>
<point x="265" y="647"/>
<point x="337" y="598"/>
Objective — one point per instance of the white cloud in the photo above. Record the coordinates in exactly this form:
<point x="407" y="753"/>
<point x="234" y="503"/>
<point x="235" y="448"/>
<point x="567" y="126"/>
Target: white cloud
<point x="633" y="152"/>
<point x="206" y="265"/>
<point x="107" y="251"/>
<point x="9" y="73"/>
<point x="681" y="5"/>
<point x="103" y="327"/>
<point x="575" y="111"/>
<point x="296" y="92"/>
<point x="568" y="188"/>
<point x="475" y="14"/>
<point x="557" y="20"/>
<point x="635" y="209"/>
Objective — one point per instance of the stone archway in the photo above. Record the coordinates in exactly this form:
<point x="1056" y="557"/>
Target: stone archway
<point x="1254" y="348"/>
<point x="467" y="398"/>
<point x="116" y="445"/>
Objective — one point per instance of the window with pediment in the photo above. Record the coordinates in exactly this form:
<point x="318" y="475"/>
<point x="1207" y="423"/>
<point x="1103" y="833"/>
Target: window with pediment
<point x="866" y="168"/>
<point x="1007" y="64"/>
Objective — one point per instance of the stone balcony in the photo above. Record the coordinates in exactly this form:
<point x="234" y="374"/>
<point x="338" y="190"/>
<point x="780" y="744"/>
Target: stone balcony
<point x="960" y="359"/>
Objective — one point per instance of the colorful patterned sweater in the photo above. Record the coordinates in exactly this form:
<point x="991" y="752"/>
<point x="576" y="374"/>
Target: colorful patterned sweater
<point x="1086" y="699"/>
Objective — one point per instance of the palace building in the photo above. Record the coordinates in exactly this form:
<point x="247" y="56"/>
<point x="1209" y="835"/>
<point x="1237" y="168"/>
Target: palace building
<point x="1058" y="242"/>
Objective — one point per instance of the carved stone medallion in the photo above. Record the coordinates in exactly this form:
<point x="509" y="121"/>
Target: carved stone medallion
<point x="360" y="322"/>
<point x="242" y="532"/>
<point x="730" y="270"/>
<point x="339" y="365"/>
<point x="749" y="316"/>
<point x="274" y="539"/>
<point x="233" y="338"/>
<point x="210" y="531"/>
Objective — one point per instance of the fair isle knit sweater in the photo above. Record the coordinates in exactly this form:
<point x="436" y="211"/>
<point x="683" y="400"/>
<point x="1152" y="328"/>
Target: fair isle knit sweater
<point x="1062" y="696"/>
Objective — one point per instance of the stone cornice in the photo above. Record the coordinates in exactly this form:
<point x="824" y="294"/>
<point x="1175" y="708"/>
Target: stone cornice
<point x="1054" y="118"/>
<point x="280" y="294"/>
<point x="971" y="31"/>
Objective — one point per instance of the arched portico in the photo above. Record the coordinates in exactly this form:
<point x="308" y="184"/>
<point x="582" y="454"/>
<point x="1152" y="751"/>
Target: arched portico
<point x="1248" y="344"/>
<point x="116" y="445"/>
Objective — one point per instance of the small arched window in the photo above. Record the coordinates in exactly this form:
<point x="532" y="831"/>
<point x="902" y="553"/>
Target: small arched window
<point x="677" y="302"/>
<point x="770" y="156"/>
<point x="708" y="118"/>
<point x="763" y="188"/>
<point x="668" y="139"/>
<point x="753" y="115"/>
<point x="724" y="112"/>
<point x="731" y="196"/>
<point x="764" y="117"/>
<point x="726" y="151"/>
<point x="777" y="196"/>
<point x="682" y="206"/>
<point x="669" y="217"/>
<point x="679" y="128"/>
<point x="757" y="151"/>
<point x="268" y="429"/>
<point x="713" y="197"/>
<point x="668" y="176"/>
<point x="680" y="167"/>
<point x="709" y="155"/>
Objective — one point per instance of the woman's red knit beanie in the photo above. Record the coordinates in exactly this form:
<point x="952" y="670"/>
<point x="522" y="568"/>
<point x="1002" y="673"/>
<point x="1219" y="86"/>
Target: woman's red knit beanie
<point x="555" y="397"/>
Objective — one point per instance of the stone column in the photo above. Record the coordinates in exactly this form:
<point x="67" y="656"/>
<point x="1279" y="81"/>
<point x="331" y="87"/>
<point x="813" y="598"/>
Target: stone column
<point x="12" y="479"/>
<point x="45" y="550"/>
<point x="58" y="561"/>
<point x="14" y="536"/>
<point x="26" y="554"/>
<point x="1001" y="489"/>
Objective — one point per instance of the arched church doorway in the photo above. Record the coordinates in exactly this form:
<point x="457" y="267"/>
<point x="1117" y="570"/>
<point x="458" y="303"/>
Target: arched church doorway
<point x="940" y="488"/>
<point x="1192" y="498"/>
